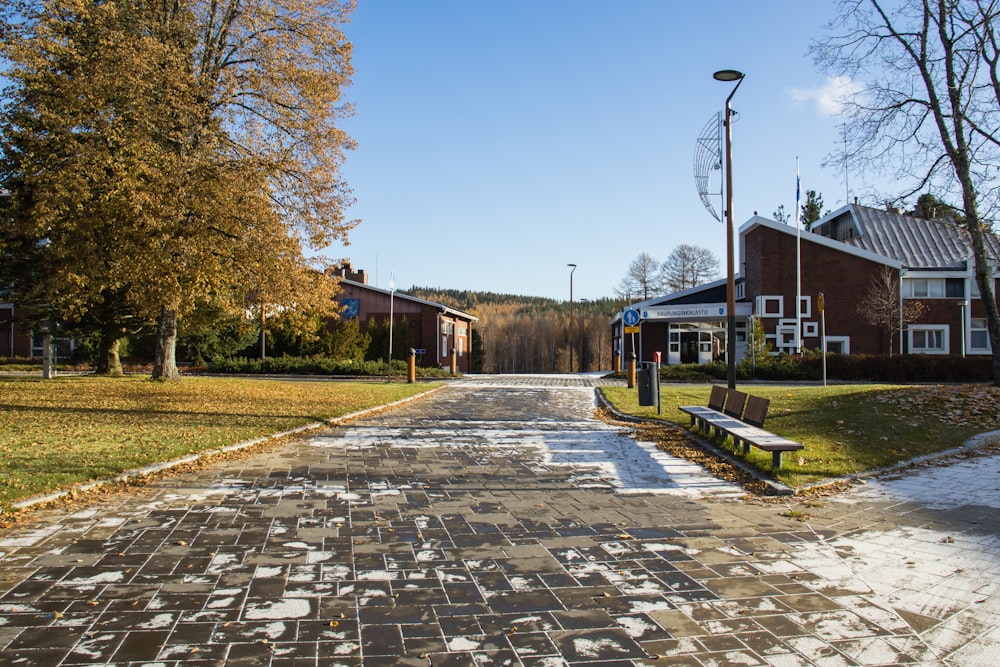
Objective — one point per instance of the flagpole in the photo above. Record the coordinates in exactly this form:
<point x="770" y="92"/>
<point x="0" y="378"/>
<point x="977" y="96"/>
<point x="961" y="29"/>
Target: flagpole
<point x="798" y="262"/>
<point x="392" y="289"/>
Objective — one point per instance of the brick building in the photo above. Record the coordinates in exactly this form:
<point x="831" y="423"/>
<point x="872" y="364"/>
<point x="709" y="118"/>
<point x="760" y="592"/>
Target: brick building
<point x="435" y="329"/>
<point x="15" y="340"/>
<point x="840" y="258"/>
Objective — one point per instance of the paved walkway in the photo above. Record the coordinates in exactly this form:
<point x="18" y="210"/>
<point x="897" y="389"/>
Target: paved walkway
<point x="496" y="523"/>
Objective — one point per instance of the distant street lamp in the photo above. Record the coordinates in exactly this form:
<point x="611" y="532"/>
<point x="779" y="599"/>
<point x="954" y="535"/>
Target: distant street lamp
<point x="730" y="75"/>
<point x="569" y="329"/>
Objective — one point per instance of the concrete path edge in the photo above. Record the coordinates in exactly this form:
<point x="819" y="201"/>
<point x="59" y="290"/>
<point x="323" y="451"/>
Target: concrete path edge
<point x="775" y="487"/>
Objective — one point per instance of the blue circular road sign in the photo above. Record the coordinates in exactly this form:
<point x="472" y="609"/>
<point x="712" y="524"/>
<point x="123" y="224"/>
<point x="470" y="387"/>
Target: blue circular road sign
<point x="631" y="317"/>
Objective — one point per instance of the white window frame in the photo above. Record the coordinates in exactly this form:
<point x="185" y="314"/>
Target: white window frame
<point x="764" y="301"/>
<point x="978" y="329"/>
<point x="931" y="287"/>
<point x="810" y="329"/>
<point x="805" y="306"/>
<point x="785" y="338"/>
<point x="845" y="340"/>
<point x="939" y="328"/>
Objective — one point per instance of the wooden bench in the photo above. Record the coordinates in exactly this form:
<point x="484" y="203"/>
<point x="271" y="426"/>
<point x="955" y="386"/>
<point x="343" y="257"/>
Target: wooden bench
<point x="701" y="414"/>
<point x="741" y="417"/>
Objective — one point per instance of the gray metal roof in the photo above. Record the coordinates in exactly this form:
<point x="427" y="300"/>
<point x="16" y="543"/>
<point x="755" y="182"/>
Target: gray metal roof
<point x="914" y="242"/>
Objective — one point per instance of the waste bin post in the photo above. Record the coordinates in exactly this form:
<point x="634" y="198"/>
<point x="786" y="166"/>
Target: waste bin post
<point x="411" y="368"/>
<point x="649" y="385"/>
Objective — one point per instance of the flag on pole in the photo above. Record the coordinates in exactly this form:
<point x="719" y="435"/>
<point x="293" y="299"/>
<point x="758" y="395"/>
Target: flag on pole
<point x="798" y="192"/>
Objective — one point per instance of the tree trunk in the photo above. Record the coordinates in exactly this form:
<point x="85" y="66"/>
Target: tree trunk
<point x="108" y="361"/>
<point x="165" y="361"/>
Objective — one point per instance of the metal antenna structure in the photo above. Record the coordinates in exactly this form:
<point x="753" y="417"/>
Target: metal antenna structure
<point x="708" y="158"/>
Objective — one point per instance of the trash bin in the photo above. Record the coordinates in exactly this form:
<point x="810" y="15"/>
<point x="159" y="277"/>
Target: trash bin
<point x="648" y="382"/>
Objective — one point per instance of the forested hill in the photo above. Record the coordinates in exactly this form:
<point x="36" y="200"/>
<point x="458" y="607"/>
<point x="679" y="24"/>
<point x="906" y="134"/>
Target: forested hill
<point x="528" y="334"/>
<point x="468" y="301"/>
<point x="475" y="303"/>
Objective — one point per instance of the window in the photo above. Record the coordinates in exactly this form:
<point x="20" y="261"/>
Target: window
<point x="979" y="337"/>
<point x="770" y="306"/>
<point x="954" y="288"/>
<point x="923" y="288"/>
<point x="805" y="306"/>
<point x="810" y="329"/>
<point x="37" y="344"/>
<point x="928" y="339"/>
<point x="838" y="344"/>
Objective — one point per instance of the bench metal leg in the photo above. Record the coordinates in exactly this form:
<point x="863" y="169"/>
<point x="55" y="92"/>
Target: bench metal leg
<point x="776" y="459"/>
<point x="746" y="448"/>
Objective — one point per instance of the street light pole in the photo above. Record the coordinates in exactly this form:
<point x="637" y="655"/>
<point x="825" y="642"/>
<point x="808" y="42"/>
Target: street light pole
<point x="730" y="75"/>
<point x="569" y="329"/>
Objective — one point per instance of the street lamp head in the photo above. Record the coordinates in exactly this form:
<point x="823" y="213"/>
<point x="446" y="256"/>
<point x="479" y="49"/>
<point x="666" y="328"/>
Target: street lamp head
<point x="728" y="75"/>
<point x="573" y="265"/>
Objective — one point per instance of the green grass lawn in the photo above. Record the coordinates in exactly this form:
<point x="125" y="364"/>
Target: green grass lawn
<point x="55" y="433"/>
<point x="846" y="429"/>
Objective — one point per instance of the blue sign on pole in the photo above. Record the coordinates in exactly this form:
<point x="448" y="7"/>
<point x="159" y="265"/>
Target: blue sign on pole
<point x="631" y="317"/>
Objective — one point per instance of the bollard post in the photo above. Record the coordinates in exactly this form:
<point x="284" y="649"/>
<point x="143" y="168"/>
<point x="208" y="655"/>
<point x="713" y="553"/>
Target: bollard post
<point x="615" y="361"/>
<point x="631" y="370"/>
<point x="411" y="368"/>
<point x="454" y="362"/>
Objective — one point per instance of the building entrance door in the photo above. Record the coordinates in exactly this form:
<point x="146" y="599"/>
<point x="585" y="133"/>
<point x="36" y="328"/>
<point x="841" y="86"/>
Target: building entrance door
<point x="689" y="347"/>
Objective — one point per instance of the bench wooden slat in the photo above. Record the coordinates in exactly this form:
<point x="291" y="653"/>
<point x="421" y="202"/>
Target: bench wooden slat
<point x="742" y="418"/>
<point x="735" y="401"/>
<point x="756" y="410"/>
<point x="717" y="399"/>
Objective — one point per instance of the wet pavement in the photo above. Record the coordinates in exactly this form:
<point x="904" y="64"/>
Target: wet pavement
<point x="496" y="522"/>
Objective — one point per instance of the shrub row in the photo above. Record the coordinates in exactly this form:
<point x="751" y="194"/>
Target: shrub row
<point x="286" y="365"/>
<point x="906" y="368"/>
<point x="844" y="367"/>
<point x="871" y="368"/>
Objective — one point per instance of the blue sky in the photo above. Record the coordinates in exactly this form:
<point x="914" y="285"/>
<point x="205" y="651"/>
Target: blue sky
<point x="500" y="141"/>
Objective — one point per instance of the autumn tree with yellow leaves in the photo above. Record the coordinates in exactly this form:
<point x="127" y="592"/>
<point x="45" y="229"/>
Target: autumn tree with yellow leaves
<point x="160" y="156"/>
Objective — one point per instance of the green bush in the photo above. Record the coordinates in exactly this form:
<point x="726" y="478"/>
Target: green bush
<point x="694" y="372"/>
<point x="286" y="365"/>
<point x="844" y="367"/>
<point x="19" y="361"/>
<point x="910" y="368"/>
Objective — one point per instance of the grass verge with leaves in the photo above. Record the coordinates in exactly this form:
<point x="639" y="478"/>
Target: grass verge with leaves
<point x="846" y="429"/>
<point x="64" y="431"/>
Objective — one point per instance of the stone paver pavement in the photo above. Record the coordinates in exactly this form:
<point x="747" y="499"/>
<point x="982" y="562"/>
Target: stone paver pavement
<point x="497" y="523"/>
